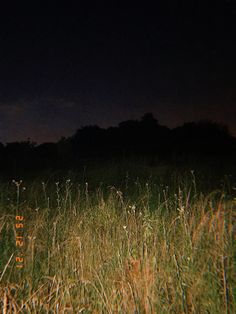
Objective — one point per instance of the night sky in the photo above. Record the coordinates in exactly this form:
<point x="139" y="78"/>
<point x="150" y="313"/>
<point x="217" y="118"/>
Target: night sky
<point x="65" y="68"/>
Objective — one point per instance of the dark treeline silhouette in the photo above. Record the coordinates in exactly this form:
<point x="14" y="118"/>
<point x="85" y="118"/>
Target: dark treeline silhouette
<point x="133" y="137"/>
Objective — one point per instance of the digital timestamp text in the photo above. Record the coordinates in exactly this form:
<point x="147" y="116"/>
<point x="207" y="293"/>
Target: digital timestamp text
<point x="19" y="240"/>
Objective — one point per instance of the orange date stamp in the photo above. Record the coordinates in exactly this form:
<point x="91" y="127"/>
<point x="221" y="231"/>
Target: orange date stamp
<point x="19" y="240"/>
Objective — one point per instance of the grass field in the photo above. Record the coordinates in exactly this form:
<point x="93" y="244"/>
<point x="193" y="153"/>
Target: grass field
<point x="124" y="238"/>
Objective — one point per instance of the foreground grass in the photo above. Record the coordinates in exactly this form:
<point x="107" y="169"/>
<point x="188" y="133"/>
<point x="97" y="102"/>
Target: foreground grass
<point x="144" y="248"/>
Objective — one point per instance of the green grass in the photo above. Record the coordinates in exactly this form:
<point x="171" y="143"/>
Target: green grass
<point x="119" y="239"/>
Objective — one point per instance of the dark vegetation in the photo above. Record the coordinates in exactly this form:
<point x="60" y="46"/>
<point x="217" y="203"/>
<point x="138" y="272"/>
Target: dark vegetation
<point x="132" y="219"/>
<point x="195" y="141"/>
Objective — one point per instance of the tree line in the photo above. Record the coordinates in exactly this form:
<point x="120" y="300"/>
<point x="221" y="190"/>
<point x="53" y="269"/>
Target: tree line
<point x="132" y="137"/>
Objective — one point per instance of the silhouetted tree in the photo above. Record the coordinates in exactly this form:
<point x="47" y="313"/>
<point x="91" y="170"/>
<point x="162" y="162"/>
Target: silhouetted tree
<point x="132" y="137"/>
<point x="46" y="155"/>
<point x="148" y="120"/>
<point x="88" y="141"/>
<point x="18" y="156"/>
<point x="202" y="137"/>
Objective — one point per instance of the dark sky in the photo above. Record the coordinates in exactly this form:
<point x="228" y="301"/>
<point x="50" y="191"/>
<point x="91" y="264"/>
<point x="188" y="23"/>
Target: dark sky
<point x="68" y="67"/>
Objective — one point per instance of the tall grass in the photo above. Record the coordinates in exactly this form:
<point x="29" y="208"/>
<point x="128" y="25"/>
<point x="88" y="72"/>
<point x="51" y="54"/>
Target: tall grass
<point x="140" y="247"/>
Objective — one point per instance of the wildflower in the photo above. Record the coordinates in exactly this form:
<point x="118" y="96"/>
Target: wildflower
<point x="17" y="183"/>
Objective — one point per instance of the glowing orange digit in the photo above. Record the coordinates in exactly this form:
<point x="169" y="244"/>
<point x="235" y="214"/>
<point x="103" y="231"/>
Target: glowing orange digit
<point x="18" y="226"/>
<point x="19" y="243"/>
<point x="19" y="259"/>
<point x="20" y="218"/>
